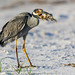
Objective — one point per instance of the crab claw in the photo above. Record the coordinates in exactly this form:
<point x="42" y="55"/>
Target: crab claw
<point x="52" y="19"/>
<point x="48" y="16"/>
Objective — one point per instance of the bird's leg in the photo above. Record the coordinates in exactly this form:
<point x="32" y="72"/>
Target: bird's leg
<point x="27" y="55"/>
<point x="16" y="53"/>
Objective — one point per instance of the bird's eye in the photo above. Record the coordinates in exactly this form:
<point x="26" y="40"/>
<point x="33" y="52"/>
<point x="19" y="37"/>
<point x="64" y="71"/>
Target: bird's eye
<point x="37" y="11"/>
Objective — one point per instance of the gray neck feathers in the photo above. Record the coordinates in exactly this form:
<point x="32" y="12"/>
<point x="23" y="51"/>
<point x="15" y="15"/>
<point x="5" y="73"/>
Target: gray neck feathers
<point x="32" y="21"/>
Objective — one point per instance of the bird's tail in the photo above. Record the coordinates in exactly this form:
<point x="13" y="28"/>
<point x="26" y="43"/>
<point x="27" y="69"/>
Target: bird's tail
<point x="0" y="34"/>
<point x="1" y="43"/>
<point x="4" y="41"/>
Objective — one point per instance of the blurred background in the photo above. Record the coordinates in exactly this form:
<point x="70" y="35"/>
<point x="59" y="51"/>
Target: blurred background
<point x="6" y="4"/>
<point x="9" y="9"/>
<point x="51" y="44"/>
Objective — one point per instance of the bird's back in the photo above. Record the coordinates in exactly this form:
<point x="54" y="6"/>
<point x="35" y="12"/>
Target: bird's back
<point x="13" y="27"/>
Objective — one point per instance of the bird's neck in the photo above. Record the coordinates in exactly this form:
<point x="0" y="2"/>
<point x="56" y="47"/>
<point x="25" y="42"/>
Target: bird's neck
<point x="35" y="16"/>
<point x="32" y="21"/>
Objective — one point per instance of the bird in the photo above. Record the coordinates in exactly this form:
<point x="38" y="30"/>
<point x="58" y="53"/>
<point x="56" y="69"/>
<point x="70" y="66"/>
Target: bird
<point x="19" y="26"/>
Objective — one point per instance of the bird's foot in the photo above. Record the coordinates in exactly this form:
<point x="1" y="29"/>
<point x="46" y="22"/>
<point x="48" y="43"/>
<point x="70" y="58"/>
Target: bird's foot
<point x="18" y="68"/>
<point x="32" y="66"/>
<point x="70" y="64"/>
<point x="19" y="65"/>
<point x="28" y="66"/>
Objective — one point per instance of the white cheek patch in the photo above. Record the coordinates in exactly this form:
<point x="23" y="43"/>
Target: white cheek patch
<point x="35" y="13"/>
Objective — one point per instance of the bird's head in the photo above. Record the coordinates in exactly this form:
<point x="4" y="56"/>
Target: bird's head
<point x="38" y="13"/>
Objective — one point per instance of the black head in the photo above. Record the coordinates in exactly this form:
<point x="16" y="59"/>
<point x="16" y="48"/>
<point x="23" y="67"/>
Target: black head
<point x="38" y="13"/>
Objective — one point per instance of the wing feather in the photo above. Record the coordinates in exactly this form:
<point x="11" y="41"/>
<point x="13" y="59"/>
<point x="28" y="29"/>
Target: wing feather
<point x="15" y="25"/>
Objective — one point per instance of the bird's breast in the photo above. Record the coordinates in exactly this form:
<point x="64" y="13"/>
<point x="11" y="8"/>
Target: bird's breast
<point x="32" y="22"/>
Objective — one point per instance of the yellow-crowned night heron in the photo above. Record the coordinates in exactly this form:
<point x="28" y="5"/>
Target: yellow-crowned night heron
<point x="19" y="27"/>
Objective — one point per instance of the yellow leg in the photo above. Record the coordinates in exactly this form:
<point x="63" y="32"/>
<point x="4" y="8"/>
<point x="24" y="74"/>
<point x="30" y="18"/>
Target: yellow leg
<point x="26" y="54"/>
<point x="16" y="53"/>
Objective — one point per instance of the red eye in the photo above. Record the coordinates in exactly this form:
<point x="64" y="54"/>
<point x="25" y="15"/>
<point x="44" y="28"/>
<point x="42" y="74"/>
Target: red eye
<point x="37" y="11"/>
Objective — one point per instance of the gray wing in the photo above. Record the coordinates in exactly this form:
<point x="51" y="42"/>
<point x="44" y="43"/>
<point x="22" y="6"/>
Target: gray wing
<point x="15" y="25"/>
